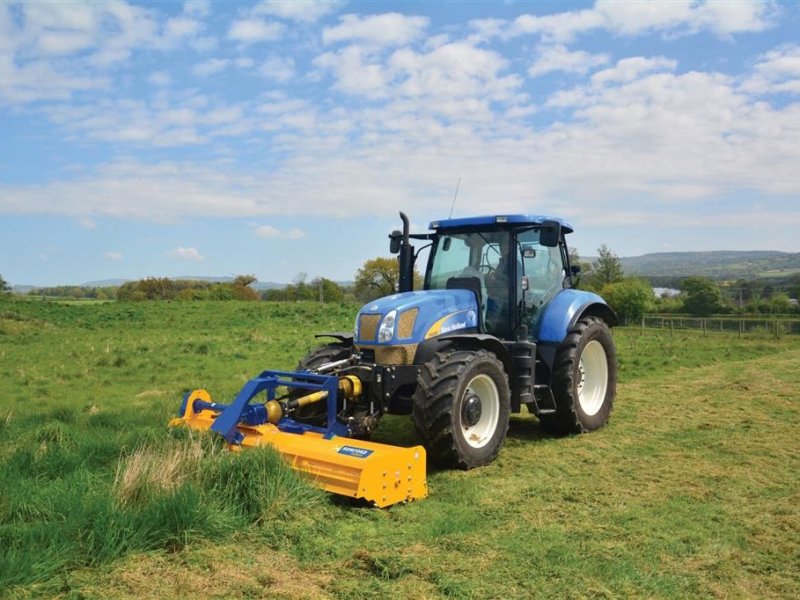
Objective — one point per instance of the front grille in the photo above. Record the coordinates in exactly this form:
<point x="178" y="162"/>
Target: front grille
<point x="368" y="327"/>
<point x="405" y="324"/>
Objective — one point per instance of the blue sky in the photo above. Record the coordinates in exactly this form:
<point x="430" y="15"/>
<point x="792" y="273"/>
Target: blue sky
<point x="168" y="138"/>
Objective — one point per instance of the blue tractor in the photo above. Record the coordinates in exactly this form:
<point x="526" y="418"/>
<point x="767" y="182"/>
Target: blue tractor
<point x="497" y="325"/>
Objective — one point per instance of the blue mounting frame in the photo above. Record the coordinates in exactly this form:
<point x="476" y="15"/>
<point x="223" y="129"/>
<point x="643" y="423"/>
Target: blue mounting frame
<point x="241" y="410"/>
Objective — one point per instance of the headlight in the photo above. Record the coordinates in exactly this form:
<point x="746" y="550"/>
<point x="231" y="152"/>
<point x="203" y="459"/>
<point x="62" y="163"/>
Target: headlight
<point x="386" y="330"/>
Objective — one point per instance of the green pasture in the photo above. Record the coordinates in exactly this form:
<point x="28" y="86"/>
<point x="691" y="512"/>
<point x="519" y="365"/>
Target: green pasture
<point x="691" y="490"/>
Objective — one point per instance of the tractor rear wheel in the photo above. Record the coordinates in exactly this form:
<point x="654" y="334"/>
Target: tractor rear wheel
<point x="461" y="407"/>
<point x="315" y="414"/>
<point x="584" y="379"/>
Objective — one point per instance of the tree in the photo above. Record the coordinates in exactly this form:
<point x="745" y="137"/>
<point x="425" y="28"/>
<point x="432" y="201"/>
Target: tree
<point x="241" y="287"/>
<point x="631" y="298"/>
<point x="327" y="290"/>
<point x="586" y="267"/>
<point x="702" y="296"/>
<point x="607" y="268"/>
<point x="4" y="286"/>
<point x="379" y="277"/>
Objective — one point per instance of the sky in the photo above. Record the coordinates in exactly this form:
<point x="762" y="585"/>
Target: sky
<point x="279" y="138"/>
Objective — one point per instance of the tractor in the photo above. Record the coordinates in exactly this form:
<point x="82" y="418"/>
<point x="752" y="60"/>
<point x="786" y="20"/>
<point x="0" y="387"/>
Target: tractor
<point x="497" y="325"/>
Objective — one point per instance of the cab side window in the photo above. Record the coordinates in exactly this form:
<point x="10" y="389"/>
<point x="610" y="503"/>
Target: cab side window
<point x="544" y="268"/>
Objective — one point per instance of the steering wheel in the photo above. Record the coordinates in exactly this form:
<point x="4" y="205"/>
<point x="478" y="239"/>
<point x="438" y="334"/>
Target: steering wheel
<point x="487" y="270"/>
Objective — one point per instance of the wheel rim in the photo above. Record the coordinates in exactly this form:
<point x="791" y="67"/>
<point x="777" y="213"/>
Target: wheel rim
<point x="592" y="378"/>
<point x="480" y="411"/>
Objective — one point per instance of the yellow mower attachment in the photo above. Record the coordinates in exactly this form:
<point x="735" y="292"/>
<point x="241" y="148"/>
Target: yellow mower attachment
<point x="378" y="473"/>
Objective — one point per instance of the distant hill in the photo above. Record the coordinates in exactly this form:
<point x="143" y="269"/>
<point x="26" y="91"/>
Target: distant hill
<point x="105" y="283"/>
<point x="720" y="264"/>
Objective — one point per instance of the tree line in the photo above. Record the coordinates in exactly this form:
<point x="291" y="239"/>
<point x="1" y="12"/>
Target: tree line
<point x="630" y="296"/>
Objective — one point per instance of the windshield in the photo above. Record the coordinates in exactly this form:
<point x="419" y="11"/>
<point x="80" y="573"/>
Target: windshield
<point x="473" y="254"/>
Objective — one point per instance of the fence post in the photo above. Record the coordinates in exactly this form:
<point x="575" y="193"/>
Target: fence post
<point x="671" y="328"/>
<point x="741" y="327"/>
<point x="642" y="323"/>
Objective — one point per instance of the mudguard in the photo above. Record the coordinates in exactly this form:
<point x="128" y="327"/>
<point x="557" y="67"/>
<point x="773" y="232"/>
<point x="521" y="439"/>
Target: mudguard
<point x="566" y="308"/>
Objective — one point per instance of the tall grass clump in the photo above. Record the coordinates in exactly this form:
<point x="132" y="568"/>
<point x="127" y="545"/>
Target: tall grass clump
<point x="152" y="470"/>
<point x="162" y="494"/>
<point x="254" y="486"/>
<point x="257" y="485"/>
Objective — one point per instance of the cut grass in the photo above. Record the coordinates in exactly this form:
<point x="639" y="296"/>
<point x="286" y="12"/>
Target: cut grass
<point x="690" y="490"/>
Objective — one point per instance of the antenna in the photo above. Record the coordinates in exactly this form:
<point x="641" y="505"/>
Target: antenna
<point x="453" y="205"/>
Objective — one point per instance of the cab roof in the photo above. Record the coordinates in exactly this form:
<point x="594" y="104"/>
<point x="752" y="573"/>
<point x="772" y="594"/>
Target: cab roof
<point x="499" y="220"/>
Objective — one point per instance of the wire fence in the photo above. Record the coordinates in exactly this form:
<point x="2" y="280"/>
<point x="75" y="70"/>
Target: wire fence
<point x="763" y="326"/>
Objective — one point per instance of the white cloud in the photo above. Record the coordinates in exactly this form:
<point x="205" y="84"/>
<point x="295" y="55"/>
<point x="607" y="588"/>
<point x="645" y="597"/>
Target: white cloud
<point x="179" y="29"/>
<point x="277" y="68"/>
<point x="251" y="31"/>
<point x="559" y="27"/>
<point x="389" y="29"/>
<point x="87" y="223"/>
<point x="459" y="75"/>
<point x="39" y="80"/>
<point x="210" y="67"/>
<point x="308" y="11"/>
<point x="197" y="8"/>
<point x="181" y="253"/>
<point x="167" y="119"/>
<point x="776" y="71"/>
<point x="267" y="231"/>
<point x="726" y="18"/>
<point x="632" y="68"/>
<point x="116" y="256"/>
<point x="638" y="132"/>
<point x="559" y="58"/>
<point x="50" y="51"/>
<point x="670" y="17"/>
<point x="357" y="72"/>
<point x="159" y="78"/>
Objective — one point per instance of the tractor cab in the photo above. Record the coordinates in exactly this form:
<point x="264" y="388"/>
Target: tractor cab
<point x="514" y="265"/>
<point x="513" y="270"/>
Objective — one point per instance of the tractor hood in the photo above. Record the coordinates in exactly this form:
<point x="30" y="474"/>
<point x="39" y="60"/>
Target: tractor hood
<point x="412" y="317"/>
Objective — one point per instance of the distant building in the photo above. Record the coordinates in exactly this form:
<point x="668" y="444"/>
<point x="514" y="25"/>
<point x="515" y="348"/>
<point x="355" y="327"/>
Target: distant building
<point x="661" y="292"/>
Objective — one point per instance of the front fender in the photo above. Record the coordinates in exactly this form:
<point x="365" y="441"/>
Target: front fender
<point x="564" y="311"/>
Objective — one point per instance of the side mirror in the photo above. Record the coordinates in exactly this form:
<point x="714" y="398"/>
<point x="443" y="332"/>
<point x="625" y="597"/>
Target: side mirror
<point x="550" y="233"/>
<point x="528" y="253"/>
<point x="446" y="244"/>
<point x="575" y="274"/>
<point x="394" y="242"/>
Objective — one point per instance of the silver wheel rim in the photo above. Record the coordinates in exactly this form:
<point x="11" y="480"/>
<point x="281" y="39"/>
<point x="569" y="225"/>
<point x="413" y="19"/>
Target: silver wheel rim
<point x="479" y="434"/>
<point x="592" y="378"/>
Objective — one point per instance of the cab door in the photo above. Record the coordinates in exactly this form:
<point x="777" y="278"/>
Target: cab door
<point x="543" y="269"/>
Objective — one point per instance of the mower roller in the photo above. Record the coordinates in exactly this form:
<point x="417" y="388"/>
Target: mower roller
<point x="378" y="473"/>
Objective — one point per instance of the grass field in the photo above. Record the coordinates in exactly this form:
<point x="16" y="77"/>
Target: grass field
<point x="692" y="490"/>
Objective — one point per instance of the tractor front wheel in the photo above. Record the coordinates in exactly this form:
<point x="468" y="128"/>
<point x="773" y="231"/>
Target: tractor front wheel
<point x="315" y="414"/>
<point x="584" y="379"/>
<point x="461" y="407"/>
